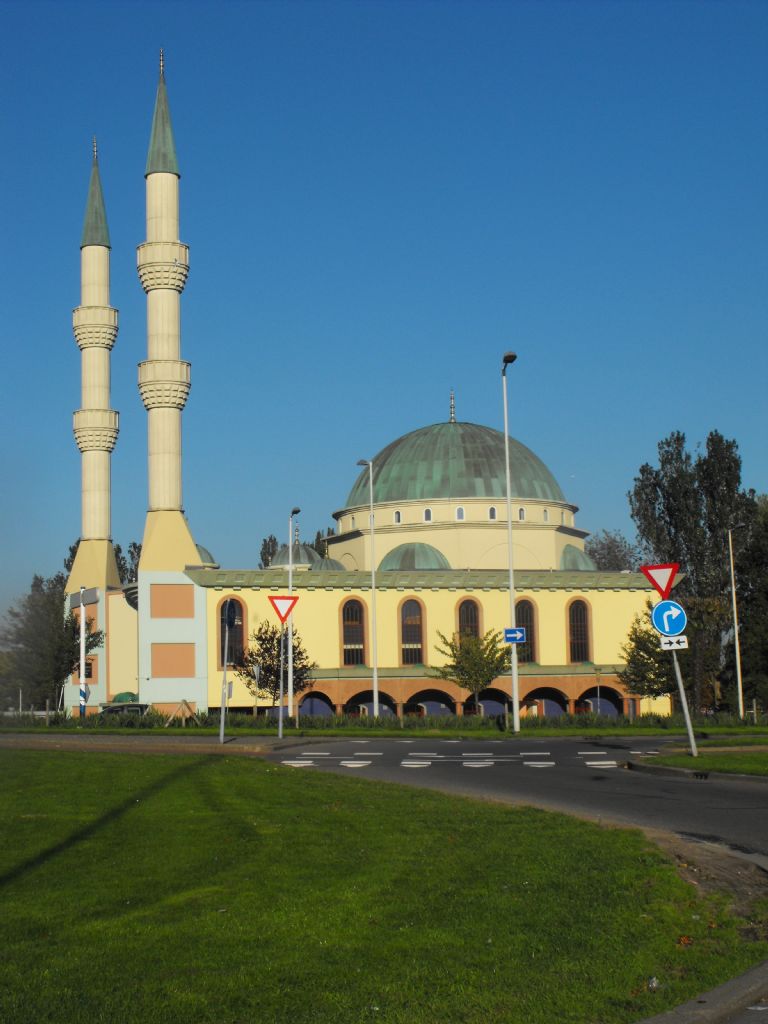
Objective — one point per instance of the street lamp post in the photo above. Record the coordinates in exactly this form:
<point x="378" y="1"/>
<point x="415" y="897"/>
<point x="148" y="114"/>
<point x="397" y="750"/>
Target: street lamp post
<point x="739" y="688"/>
<point x="507" y="360"/>
<point x="294" y="512"/>
<point x="374" y="652"/>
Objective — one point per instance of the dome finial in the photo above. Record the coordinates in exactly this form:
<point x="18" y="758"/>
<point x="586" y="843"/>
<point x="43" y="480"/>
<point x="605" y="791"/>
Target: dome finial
<point x="95" y="150"/>
<point x="452" y="418"/>
<point x="162" y="63"/>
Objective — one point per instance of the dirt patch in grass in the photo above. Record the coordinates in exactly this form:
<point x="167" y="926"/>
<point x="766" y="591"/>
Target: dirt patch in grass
<point x="716" y="869"/>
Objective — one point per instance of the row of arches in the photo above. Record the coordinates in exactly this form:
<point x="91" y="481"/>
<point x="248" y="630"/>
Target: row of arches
<point x="412" y="631"/>
<point x="468" y="623"/>
<point x="544" y="700"/>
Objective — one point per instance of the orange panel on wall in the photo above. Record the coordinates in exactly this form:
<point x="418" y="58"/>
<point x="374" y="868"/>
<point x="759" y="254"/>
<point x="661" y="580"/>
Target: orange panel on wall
<point x="172" y="601"/>
<point x="172" y="661"/>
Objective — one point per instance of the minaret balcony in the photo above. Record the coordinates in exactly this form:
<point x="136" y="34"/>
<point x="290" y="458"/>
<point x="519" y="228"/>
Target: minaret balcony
<point x="163" y="265"/>
<point x="164" y="383"/>
<point x="95" y="429"/>
<point x="95" y="326"/>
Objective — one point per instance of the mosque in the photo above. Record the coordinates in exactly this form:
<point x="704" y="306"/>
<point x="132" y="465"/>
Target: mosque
<point x="432" y="505"/>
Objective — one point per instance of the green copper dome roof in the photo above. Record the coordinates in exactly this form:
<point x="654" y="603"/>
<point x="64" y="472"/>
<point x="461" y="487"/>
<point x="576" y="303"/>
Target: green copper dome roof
<point x="454" y="460"/>
<point x="413" y="556"/>
<point x="302" y="554"/>
<point x="574" y="558"/>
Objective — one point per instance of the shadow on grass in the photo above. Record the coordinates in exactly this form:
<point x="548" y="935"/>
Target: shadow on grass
<point x="101" y="822"/>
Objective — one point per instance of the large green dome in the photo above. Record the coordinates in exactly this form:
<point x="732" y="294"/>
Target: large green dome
<point x="454" y="460"/>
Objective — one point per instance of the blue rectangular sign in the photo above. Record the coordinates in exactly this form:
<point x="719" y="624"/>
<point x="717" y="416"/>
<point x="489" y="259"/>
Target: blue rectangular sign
<point x="515" y="636"/>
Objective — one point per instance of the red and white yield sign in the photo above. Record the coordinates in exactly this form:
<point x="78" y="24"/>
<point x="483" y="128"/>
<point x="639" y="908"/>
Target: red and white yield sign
<point x="283" y="605"/>
<point x="661" y="576"/>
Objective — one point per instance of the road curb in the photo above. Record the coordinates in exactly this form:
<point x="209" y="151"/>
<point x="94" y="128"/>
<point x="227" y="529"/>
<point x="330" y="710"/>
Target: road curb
<point x="691" y="773"/>
<point x="719" y="1004"/>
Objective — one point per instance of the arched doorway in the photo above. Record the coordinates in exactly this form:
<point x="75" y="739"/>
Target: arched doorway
<point x="316" y="704"/>
<point x="609" y="701"/>
<point x="362" y="705"/>
<point x="429" y="702"/>
<point x="550" y="702"/>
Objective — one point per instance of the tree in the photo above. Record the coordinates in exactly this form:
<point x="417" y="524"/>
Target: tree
<point x="648" y="670"/>
<point x="42" y="640"/>
<point x="128" y="566"/>
<point x="473" y="662"/>
<point x="612" y="552"/>
<point x="682" y="511"/>
<point x="320" y="543"/>
<point x="268" y="551"/>
<point x="751" y="572"/>
<point x="259" y="666"/>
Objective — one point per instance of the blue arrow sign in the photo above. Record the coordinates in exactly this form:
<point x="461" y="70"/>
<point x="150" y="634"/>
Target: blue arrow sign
<point x="669" y="618"/>
<point x="515" y="636"/>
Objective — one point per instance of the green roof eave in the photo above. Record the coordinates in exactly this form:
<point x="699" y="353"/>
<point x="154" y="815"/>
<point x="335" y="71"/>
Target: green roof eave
<point x="162" y="150"/>
<point x="95" y="230"/>
<point x="411" y="579"/>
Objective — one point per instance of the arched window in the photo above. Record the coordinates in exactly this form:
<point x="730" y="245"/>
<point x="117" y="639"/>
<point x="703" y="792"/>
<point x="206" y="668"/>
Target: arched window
<point x="469" y="618"/>
<point x="521" y="515"/>
<point x="411" y="633"/>
<point x="524" y="617"/>
<point x="427" y="515"/>
<point x="397" y="516"/>
<point x="546" y="515"/>
<point x="578" y="632"/>
<point x="492" y="512"/>
<point x="353" y="633"/>
<point x="236" y="638"/>
<point x="460" y="514"/>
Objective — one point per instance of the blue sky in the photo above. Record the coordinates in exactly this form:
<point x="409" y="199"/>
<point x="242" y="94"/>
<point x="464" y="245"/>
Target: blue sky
<point x="380" y="199"/>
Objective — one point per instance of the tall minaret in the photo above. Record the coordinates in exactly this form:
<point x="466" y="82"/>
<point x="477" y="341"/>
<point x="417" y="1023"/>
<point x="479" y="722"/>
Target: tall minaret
<point x="164" y="379"/>
<point x="95" y="423"/>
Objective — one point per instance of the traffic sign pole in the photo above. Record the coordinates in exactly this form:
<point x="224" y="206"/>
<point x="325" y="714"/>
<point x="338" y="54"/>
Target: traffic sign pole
<point x="684" y="702"/>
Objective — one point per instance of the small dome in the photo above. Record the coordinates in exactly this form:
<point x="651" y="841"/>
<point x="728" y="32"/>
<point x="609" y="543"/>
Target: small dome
<point x="414" y="556"/>
<point x="303" y="555"/>
<point x="206" y="558"/>
<point x="575" y="559"/>
<point x="327" y="565"/>
<point x="454" y="460"/>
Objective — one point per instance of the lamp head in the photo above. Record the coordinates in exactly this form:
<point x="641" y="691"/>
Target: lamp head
<point x="364" y="462"/>
<point x="295" y="512"/>
<point x="507" y="360"/>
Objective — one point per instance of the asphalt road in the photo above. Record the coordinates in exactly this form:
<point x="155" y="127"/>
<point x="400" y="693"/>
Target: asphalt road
<point x="584" y="777"/>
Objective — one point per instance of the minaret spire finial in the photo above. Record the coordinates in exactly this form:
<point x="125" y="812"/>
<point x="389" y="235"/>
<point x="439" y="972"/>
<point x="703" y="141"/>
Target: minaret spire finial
<point x="95" y="150"/>
<point x="453" y="408"/>
<point x="162" y="63"/>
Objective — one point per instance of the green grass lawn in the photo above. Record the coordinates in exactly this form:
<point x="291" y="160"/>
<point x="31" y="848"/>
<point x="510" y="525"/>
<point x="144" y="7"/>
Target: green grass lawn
<point x="224" y="890"/>
<point x="743" y="763"/>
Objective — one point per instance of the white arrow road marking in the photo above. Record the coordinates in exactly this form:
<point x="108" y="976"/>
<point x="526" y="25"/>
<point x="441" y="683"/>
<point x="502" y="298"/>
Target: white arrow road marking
<point x="671" y="613"/>
<point x="416" y="764"/>
<point x="298" y="764"/>
<point x="354" y="764"/>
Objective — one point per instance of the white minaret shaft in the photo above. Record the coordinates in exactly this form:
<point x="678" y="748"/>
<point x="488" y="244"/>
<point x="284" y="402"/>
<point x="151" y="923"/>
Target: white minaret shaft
<point x="163" y="265"/>
<point x="95" y="326"/>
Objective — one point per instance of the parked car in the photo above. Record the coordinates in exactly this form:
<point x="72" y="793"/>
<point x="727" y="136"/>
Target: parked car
<point x="126" y="708"/>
